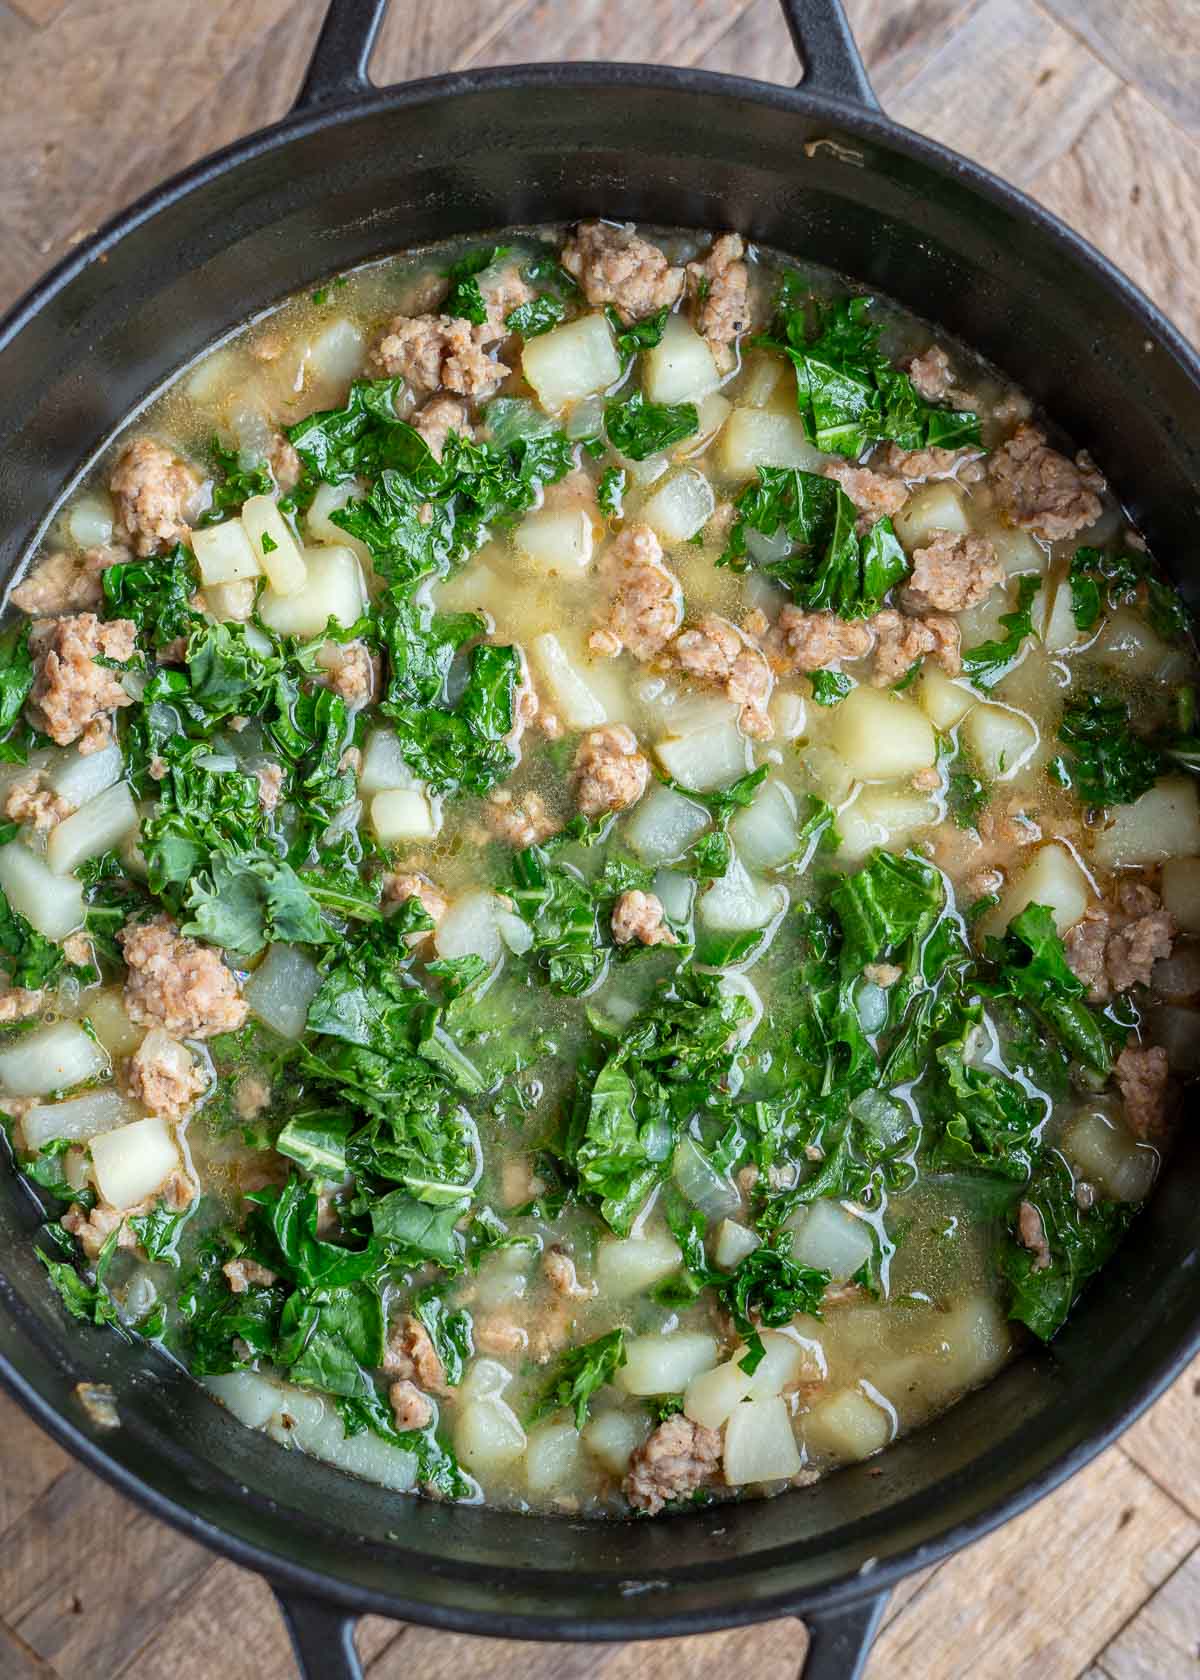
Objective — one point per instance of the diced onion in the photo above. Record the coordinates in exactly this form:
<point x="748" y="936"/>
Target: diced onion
<point x="94" y="829"/>
<point x="759" y="1443"/>
<point x="131" y="1162"/>
<point x="701" y="1183"/>
<point x="50" y="1059"/>
<point x="79" y="1119"/>
<point x="53" y="904"/>
<point x="281" y="989"/>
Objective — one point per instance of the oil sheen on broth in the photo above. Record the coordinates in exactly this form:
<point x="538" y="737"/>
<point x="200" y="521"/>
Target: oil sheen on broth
<point x="600" y="873"/>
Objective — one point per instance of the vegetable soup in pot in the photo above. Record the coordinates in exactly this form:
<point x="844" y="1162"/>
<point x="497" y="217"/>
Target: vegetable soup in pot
<point x="599" y="873"/>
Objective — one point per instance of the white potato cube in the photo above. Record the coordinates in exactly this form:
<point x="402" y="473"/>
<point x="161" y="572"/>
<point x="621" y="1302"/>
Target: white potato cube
<point x="882" y="736"/>
<point x="1103" y="1152"/>
<point x="882" y="817"/>
<point x="52" y="904"/>
<point x="469" y="927"/>
<point x="556" y="542"/>
<point x="488" y="1435"/>
<point x="1180" y="889"/>
<point x="664" y="824"/>
<point x="92" y="830"/>
<point x="737" y="903"/>
<point x="567" y="689"/>
<point x="759" y="1444"/>
<point x="132" y="1162"/>
<point x="975" y="1341"/>
<point x="761" y="437"/>
<point x="571" y="362"/>
<point x="90" y="521"/>
<point x="333" y="588"/>
<point x="399" y="814"/>
<point x="1128" y="645"/>
<point x="81" y="776"/>
<point x="932" y="507"/>
<point x="710" y="757"/>
<point x="680" y="368"/>
<point x="335" y="356"/>
<point x="1057" y="626"/>
<point x="944" y="701"/>
<point x="79" y="1118"/>
<point x="111" y="1024"/>
<point x="665" y="1364"/>
<point x="765" y="832"/>
<point x="847" y="1426"/>
<point x="50" y="1059"/>
<point x="628" y="1266"/>
<point x="712" y="414"/>
<point x="1053" y="878"/>
<point x="612" y="1438"/>
<point x="734" y="1242"/>
<point x="231" y="603"/>
<point x="713" y="1395"/>
<point x="680" y="507"/>
<point x="277" y="551"/>
<point x="281" y="989"/>
<point x="384" y="764"/>
<point x="318" y="521"/>
<point x="553" y="1457"/>
<point x="1163" y="823"/>
<point x="1001" y="740"/>
<point x="1016" y="550"/>
<point x="831" y="1239"/>
<point x="224" y="554"/>
<point x="786" y="1360"/>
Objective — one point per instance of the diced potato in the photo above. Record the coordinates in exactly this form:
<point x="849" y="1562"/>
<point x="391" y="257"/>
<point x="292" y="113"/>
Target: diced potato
<point x="571" y="362"/>
<point x="553" y="1457"/>
<point x="1057" y="626"/>
<point x="1016" y="550"/>
<point x="789" y="714"/>
<point x="333" y="588"/>
<point x="109" y="1021"/>
<point x="484" y="1378"/>
<point x="488" y="1435"/>
<point x="710" y="757"/>
<point x="665" y="1364"/>
<point x="975" y="1340"/>
<point x="90" y="521"/>
<point x="1051" y="877"/>
<point x="612" y="1437"/>
<point x="680" y="507"/>
<point x="231" y="603"/>
<point x="847" y="1426"/>
<point x="223" y="553"/>
<point x="712" y="414"/>
<point x="759" y="1444"/>
<point x="132" y="1162"/>
<point x="713" y="1395"/>
<point x="680" y="368"/>
<point x="831" y="1239"/>
<point x="882" y="817"/>
<point x="1001" y="741"/>
<point x="1180" y="888"/>
<point x="468" y="927"/>
<point x="50" y="1059"/>
<point x="944" y="701"/>
<point x="567" y="690"/>
<point x="628" y="1266"/>
<point x="786" y="1360"/>
<point x="1128" y="645"/>
<point x="92" y="830"/>
<point x="734" y="1242"/>
<point x="399" y="814"/>
<point x="1163" y="823"/>
<point x="81" y="776"/>
<point x="663" y="825"/>
<point x="1104" y="1152"/>
<point x="762" y="373"/>
<point x="335" y="357"/>
<point x="737" y="903"/>
<point x="932" y="507"/>
<point x="384" y="764"/>
<point x="79" y="1119"/>
<point x="278" y="553"/>
<point x="318" y="521"/>
<point x="556" y="542"/>
<point x="882" y="736"/>
<point x="53" y="904"/>
<point x="249" y="1395"/>
<point x="281" y="989"/>
<point x="765" y="832"/>
<point x="760" y="437"/>
<point x="828" y="775"/>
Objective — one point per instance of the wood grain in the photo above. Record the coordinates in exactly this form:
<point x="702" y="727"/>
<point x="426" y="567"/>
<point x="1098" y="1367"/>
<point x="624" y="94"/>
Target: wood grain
<point x="1092" y="106"/>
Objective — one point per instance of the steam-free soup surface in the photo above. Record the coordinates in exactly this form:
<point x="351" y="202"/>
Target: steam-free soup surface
<point x="599" y="875"/>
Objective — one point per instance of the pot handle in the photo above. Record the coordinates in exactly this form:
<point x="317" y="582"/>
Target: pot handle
<point x="338" y="67"/>
<point x="322" y="1636"/>
<point x="832" y="62"/>
<point x="839" y="1641"/>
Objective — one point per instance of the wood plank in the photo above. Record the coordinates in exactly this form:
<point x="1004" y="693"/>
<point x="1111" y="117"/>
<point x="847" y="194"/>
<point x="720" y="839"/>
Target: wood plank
<point x="18" y="1662"/>
<point x="224" y="1597"/>
<point x="1166" y="1442"/>
<point x="1154" y="45"/>
<point x="1132" y="185"/>
<point x="649" y="31"/>
<point x="429" y="40"/>
<point x="898" y="41"/>
<point x="758" y="43"/>
<point x="1163" y="1640"/>
<point x="38" y="12"/>
<point x="32" y="1463"/>
<point x="1040" y="1597"/>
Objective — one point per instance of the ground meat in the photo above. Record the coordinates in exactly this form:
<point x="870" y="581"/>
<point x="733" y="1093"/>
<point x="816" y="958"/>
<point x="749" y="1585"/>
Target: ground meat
<point x="925" y="781"/>
<point x="874" y="494"/>
<point x="410" y="1356"/>
<point x="1031" y="1234"/>
<point x="499" y="1334"/>
<point x="1142" y="1075"/>
<point x="717" y="652"/>
<point x="882" y="974"/>
<point x="349" y="671"/>
<point x="286" y="466"/>
<point x="242" y="1274"/>
<point x="647" y="608"/>
<point x="29" y="802"/>
<point x="813" y="641"/>
<point x="176" y="983"/>
<point x="639" y="915"/>
<point x="930" y="372"/>
<point x="270" y="785"/>
<point x="434" y="351"/>
<point x="410" y="1408"/>
<point x="913" y="464"/>
<point x="72" y="696"/>
<point x="610" y="773"/>
<point x="522" y="821"/>
<point x="501" y="295"/>
<point x="1114" y="947"/>
<point x="560" y="1274"/>
<point x="900" y="641"/>
<point x="93" y="1229"/>
<point x="679" y="1457"/>
<point x="398" y="889"/>
<point x="65" y="583"/>
<point x="252" y="1096"/>
<point x="1040" y="490"/>
<point x="154" y="494"/>
<point x="77" y="948"/>
<point x="163" y="1076"/>
<point x="1134" y="949"/>
<point x="440" y="417"/>
<point x="952" y="572"/>
<point x="615" y="265"/>
<point x="18" y="1003"/>
<point x="719" y="288"/>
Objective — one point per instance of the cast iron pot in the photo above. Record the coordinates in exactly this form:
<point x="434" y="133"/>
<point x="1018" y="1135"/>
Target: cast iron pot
<point x="355" y="172"/>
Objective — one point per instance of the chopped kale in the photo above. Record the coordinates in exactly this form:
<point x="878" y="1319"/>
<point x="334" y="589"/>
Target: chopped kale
<point x="579" y="1373"/>
<point x="986" y="664"/>
<point x="1107" y="764"/>
<point x="1080" y="1240"/>
<point x="638" y="428"/>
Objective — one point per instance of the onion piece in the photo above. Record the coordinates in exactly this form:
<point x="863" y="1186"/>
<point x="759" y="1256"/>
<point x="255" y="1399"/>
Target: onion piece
<point x="701" y="1183"/>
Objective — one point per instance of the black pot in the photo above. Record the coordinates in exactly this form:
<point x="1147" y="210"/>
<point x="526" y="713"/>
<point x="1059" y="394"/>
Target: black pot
<point x="818" y="172"/>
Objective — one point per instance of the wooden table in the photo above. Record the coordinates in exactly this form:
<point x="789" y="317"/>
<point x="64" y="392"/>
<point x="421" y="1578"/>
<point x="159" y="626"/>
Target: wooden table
<point x="1091" y="105"/>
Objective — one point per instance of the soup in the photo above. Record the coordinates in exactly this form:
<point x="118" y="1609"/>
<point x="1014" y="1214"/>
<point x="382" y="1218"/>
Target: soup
<point x="599" y="873"/>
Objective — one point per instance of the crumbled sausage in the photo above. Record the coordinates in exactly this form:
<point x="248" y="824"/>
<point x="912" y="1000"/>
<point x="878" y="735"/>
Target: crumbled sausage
<point x="640" y="916"/>
<point x="270" y="785"/>
<point x="521" y="821"/>
<point x="813" y="641"/>
<point x="611" y="774"/>
<point x="242" y="1274"/>
<point x="679" y="1457"/>
<point x="176" y="983"/>
<point x="349" y="671"/>
<point x="93" y="1229"/>
<point x="559" y="1270"/>
<point x="1142" y="1075"/>
<point x="154" y="495"/>
<point x="1114" y="947"/>
<point x="29" y="802"/>
<point x="719" y="287"/>
<point x="1040" y="490"/>
<point x="432" y="351"/>
<point x="66" y="583"/>
<point x="439" y="417"/>
<point x="72" y="696"/>
<point x="900" y="641"/>
<point x="18" y="1003"/>
<point x="498" y="1333"/>
<point x="410" y="1408"/>
<point x="952" y="572"/>
<point x="164" y="1076"/>
<point x="252" y="1096"/>
<point x="77" y="948"/>
<point x="616" y="265"/>
<point x="717" y="652"/>
<point x="410" y="1356"/>
<point x="1032" y="1235"/>
<point x="1134" y="949"/>
<point x="398" y="889"/>
<point x="931" y="373"/>
<point x="874" y="494"/>
<point x="934" y="462"/>
<point x="882" y="974"/>
<point x="1084" y="945"/>
<point x="286" y="466"/>
<point x="647" y="608"/>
